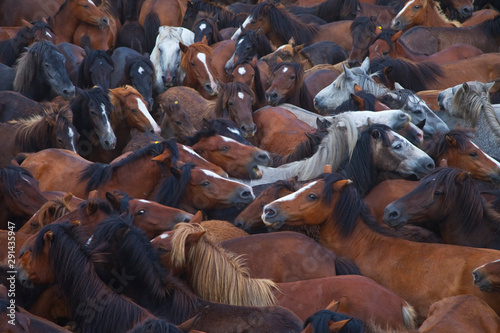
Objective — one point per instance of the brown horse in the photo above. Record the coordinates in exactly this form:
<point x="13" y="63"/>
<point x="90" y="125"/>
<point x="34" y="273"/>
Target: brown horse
<point x="196" y="62"/>
<point x="279" y="26"/>
<point x="234" y="102"/>
<point x="49" y="130"/>
<point x="387" y="43"/>
<point x="364" y="31"/>
<point x="486" y="277"/>
<point x="238" y="160"/>
<point x="430" y="76"/>
<point x="175" y="121"/>
<point x="71" y="14"/>
<point x="287" y="86"/>
<point x="349" y="230"/>
<point x="466" y="312"/>
<point x="423" y="13"/>
<point x="129" y="111"/>
<point x="448" y="201"/>
<point x="211" y="271"/>
<point x="99" y="38"/>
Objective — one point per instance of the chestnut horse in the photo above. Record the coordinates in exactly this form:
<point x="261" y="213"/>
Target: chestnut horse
<point x="486" y="277"/>
<point x="238" y="160"/>
<point x="175" y="121"/>
<point x="196" y="62"/>
<point x="423" y="13"/>
<point x="448" y="201"/>
<point x="347" y="228"/>
<point x="388" y="43"/>
<point x="71" y="14"/>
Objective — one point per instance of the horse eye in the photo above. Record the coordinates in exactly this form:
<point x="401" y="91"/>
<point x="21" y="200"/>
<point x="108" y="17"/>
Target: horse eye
<point x="141" y="212"/>
<point x="292" y="77"/>
<point x="177" y="122"/>
<point x="205" y="183"/>
<point x="312" y="197"/>
<point x="438" y="193"/>
<point x="224" y="148"/>
<point x="398" y="146"/>
<point x="417" y="112"/>
<point x="133" y="110"/>
<point x="193" y="64"/>
<point x="163" y="250"/>
<point x="417" y="7"/>
<point x="253" y="22"/>
<point x="473" y="154"/>
<point x="85" y="6"/>
<point x="19" y="192"/>
<point x="385" y="53"/>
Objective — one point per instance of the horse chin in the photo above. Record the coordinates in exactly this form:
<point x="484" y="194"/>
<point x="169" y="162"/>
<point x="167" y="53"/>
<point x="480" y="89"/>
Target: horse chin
<point x="255" y="172"/>
<point x="274" y="224"/>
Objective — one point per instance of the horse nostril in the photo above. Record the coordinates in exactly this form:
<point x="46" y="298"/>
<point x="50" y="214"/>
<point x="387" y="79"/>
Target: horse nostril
<point x="187" y="219"/>
<point x="238" y="224"/>
<point x="269" y="212"/>
<point x="245" y="194"/>
<point x="394" y="214"/>
<point x="274" y="96"/>
<point x="243" y="129"/>
<point x="430" y="166"/>
<point x="475" y="276"/>
<point x="466" y="10"/>
<point x="263" y="157"/>
<point x="254" y="128"/>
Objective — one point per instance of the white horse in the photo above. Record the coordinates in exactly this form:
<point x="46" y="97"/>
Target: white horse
<point x="468" y="105"/>
<point x="166" y="56"/>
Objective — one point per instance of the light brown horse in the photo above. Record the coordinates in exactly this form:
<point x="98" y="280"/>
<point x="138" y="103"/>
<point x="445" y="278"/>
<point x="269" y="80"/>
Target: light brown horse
<point x="196" y="62"/>
<point x="71" y="14"/>
<point x="421" y="12"/>
<point x="349" y="230"/>
<point x="100" y="38"/>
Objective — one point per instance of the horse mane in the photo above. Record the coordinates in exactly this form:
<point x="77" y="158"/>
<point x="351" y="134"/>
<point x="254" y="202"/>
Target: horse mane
<point x="195" y="47"/>
<point x="225" y="17"/>
<point x="10" y="175"/>
<point x="349" y="208"/>
<point x="27" y="64"/>
<point x="217" y="274"/>
<point x="437" y="7"/>
<point x="349" y="104"/>
<point x="469" y="105"/>
<point x="98" y="173"/>
<point x="155" y="325"/>
<point x="386" y="35"/>
<point x="306" y="148"/>
<point x="360" y="168"/>
<point x="211" y="20"/>
<point x="413" y="76"/>
<point x="320" y="320"/>
<point x="83" y="79"/>
<point x="133" y="252"/>
<point x="10" y="48"/>
<point x="201" y="134"/>
<point x="229" y="89"/>
<point x="468" y="203"/>
<point x="284" y="24"/>
<point x="362" y="21"/>
<point x="461" y="136"/>
<point x="52" y="210"/>
<point x="259" y="40"/>
<point x="336" y="10"/>
<point x="490" y="28"/>
<point x="173" y="188"/>
<point x="71" y="261"/>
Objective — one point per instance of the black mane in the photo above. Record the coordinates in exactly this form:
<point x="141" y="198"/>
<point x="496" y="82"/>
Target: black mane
<point x="173" y="188"/>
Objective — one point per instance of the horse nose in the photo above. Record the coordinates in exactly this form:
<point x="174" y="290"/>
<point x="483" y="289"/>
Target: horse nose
<point x="238" y="224"/>
<point x="440" y="99"/>
<point x="466" y="11"/>
<point x="208" y="88"/>
<point x="272" y="98"/>
<point x="104" y="22"/>
<point x="476" y="276"/>
<point x="396" y="24"/>
<point x="246" y="132"/>
<point x="430" y="166"/>
<point x="392" y="216"/>
<point x="263" y="158"/>
<point x="270" y="213"/>
<point x="353" y="63"/>
<point x="69" y="93"/>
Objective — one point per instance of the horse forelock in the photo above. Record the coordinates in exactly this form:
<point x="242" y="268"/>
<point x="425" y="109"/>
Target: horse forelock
<point x="10" y="175"/>
<point x="216" y="271"/>
<point x="362" y="21"/>
<point x="461" y="136"/>
<point x="342" y="9"/>
<point x="192" y="49"/>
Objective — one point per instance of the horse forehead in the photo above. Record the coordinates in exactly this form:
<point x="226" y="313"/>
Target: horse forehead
<point x="296" y="194"/>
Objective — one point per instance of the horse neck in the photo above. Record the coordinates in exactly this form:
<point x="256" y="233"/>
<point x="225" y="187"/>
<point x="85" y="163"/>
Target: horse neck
<point x="434" y="19"/>
<point x="401" y="50"/>
<point x="64" y="24"/>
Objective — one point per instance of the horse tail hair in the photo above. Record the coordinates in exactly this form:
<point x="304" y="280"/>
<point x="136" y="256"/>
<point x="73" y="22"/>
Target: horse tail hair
<point x="95" y="174"/>
<point x="409" y="316"/>
<point x="345" y="266"/>
<point x="151" y="26"/>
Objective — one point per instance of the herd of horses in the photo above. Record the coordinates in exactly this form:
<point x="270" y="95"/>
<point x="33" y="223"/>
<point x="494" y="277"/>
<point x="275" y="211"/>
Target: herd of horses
<point x="220" y="166"/>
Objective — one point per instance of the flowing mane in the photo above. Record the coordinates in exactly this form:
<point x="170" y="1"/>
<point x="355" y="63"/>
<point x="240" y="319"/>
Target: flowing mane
<point x="218" y="275"/>
<point x="173" y="188"/>
<point x="413" y="76"/>
<point x="71" y="262"/>
<point x="98" y="173"/>
<point x="284" y="24"/>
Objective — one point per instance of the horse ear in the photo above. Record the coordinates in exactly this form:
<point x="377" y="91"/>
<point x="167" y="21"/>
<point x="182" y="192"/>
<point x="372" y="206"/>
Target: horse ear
<point x="397" y="86"/>
<point x="376" y="134"/>
<point x="197" y="218"/>
<point x="67" y="198"/>
<point x="341" y="185"/>
<point x="114" y="201"/>
<point x="347" y="72"/>
<point x="92" y="207"/>
<point x="166" y="155"/>
<point x="387" y="70"/>
<point x="358" y="101"/>
<point x="48" y="237"/>
<point x="451" y="141"/>
<point x="366" y="64"/>
<point x="298" y="48"/>
<point x="369" y="121"/>
<point x="13" y="162"/>
<point x="254" y="61"/>
<point x="303" y="63"/>
<point x="443" y="163"/>
<point x="489" y="85"/>
<point x="336" y="326"/>
<point x="291" y="41"/>
<point x="188" y="325"/>
<point x="462" y="177"/>
<point x="465" y="87"/>
<point x="333" y="306"/>
<point x="195" y="237"/>
<point x="26" y="23"/>
<point x="327" y="168"/>
<point x="204" y="40"/>
<point x="357" y="88"/>
<point x="279" y="60"/>
<point x="183" y="47"/>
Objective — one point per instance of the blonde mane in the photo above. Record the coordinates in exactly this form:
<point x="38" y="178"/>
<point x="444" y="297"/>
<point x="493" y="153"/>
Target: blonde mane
<point x="218" y="275"/>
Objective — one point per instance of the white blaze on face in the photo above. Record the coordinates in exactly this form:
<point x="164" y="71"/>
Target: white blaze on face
<point x="203" y="58"/>
<point x="192" y="152"/>
<point x="140" y="70"/>
<point x="212" y="174"/>
<point x="142" y="107"/>
<point x="285" y="69"/>
<point x="242" y="71"/>
<point x="90" y="1"/>
<point x="237" y="33"/>
<point x="487" y="156"/>
<point x="164" y="235"/>
<point x="106" y="119"/>
<point x="71" y="134"/>
<point x="203" y="26"/>
<point x="48" y="34"/>
<point x="294" y="195"/>
<point x="240" y="95"/>
<point x="402" y="10"/>
<point x="229" y="140"/>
